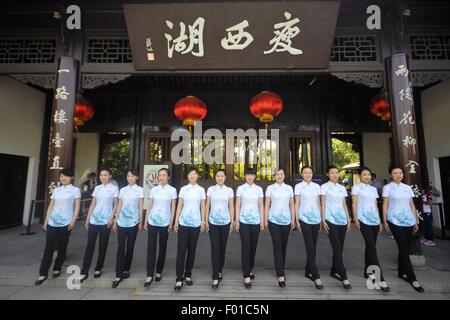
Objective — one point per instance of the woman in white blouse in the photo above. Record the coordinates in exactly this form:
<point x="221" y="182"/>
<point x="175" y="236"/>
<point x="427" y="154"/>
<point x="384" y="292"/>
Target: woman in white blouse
<point x="279" y="217"/>
<point x="307" y="207"/>
<point x="367" y="220"/>
<point x="220" y="217"/>
<point x="249" y="222"/>
<point x="336" y="222"/>
<point x="127" y="224"/>
<point x="99" y="221"/>
<point x="60" y="219"/>
<point x="158" y="223"/>
<point x="190" y="220"/>
<point x="399" y="216"/>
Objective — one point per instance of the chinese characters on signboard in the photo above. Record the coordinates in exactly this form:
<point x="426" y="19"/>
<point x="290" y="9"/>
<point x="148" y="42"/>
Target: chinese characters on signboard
<point x="231" y="35"/>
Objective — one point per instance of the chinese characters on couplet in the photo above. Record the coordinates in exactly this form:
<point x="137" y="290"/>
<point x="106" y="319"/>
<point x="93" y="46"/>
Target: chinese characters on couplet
<point x="407" y="120"/>
<point x="60" y="119"/>
<point x="190" y="38"/>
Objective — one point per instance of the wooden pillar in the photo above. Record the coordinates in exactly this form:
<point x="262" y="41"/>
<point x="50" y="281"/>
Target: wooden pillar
<point x="404" y="132"/>
<point x="61" y="128"/>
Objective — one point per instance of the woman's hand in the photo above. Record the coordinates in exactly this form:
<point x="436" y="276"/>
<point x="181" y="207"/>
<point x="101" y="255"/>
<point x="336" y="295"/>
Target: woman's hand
<point x="416" y="228"/>
<point x="110" y="222"/>
<point x="262" y="225"/>
<point x="175" y="227"/>
<point x="357" y="224"/>
<point x="386" y="226"/>
<point x="140" y="227"/>
<point x="145" y="226"/>
<point x="114" y="227"/>
<point x="299" y="227"/>
<point x="381" y="228"/>
<point x="71" y="225"/>
<point x="231" y="227"/>
<point x="236" y="225"/>
<point x="86" y="224"/>
<point x="293" y="225"/>
<point x="349" y="225"/>
<point x="44" y="227"/>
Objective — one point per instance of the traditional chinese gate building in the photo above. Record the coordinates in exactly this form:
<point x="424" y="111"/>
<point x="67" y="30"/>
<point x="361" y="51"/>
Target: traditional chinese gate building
<point x="132" y="63"/>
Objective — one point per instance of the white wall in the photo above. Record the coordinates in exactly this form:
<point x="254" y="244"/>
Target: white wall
<point x="436" y="115"/>
<point x="86" y="155"/>
<point x="376" y="153"/>
<point x="21" y="123"/>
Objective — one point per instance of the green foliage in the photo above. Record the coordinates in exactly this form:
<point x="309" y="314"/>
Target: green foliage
<point x="115" y="156"/>
<point x="343" y="154"/>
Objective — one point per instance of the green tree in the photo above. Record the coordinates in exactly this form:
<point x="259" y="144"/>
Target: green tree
<point x="343" y="154"/>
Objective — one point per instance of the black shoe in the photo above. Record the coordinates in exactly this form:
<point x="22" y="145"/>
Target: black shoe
<point x="178" y="286"/>
<point x="158" y="278"/>
<point x="404" y="277"/>
<point x="252" y="276"/>
<point x="56" y="274"/>
<point x="148" y="283"/>
<point x="189" y="281"/>
<point x="418" y="289"/>
<point x="310" y="277"/>
<point x="40" y="281"/>
<point x="318" y="286"/>
<point x="125" y="274"/>
<point x="385" y="289"/>
<point x="116" y="282"/>
<point x="220" y="277"/>
<point x="282" y="284"/>
<point x="215" y="284"/>
<point x="83" y="277"/>
<point x="247" y="285"/>
<point x="346" y="286"/>
<point x="97" y="274"/>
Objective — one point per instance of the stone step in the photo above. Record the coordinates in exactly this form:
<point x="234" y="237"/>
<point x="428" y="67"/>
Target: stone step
<point x="233" y="288"/>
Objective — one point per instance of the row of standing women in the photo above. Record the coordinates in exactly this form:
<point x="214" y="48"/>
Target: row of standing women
<point x="308" y="207"/>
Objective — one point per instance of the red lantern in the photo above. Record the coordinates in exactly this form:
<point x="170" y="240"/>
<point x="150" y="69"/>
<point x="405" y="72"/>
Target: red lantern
<point x="265" y="106"/>
<point x="83" y="112"/>
<point x="189" y="110"/>
<point x="381" y="108"/>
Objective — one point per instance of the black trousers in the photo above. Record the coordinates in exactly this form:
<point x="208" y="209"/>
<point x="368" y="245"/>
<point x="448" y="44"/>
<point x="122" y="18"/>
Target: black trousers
<point x="187" y="242"/>
<point x="152" y="241"/>
<point x="404" y="236"/>
<point x="249" y="241"/>
<point x="337" y="239"/>
<point x="370" y="235"/>
<point x="57" y="238"/>
<point x="428" y="224"/>
<point x="219" y="237"/>
<point x="310" y="235"/>
<point x="103" y="233"/>
<point x="126" y="238"/>
<point x="280" y="237"/>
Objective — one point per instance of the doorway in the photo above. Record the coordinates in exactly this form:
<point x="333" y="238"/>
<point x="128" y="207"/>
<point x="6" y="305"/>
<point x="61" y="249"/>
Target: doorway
<point x="13" y="182"/>
<point x="295" y="151"/>
<point x="444" y="166"/>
